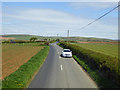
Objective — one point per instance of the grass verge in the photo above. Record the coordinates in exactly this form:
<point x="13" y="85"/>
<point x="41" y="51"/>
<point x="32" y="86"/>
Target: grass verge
<point x="21" y="77"/>
<point x="102" y="82"/>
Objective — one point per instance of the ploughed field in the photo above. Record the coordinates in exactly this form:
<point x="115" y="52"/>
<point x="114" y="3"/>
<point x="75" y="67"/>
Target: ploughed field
<point x="15" y="55"/>
<point x="107" y="49"/>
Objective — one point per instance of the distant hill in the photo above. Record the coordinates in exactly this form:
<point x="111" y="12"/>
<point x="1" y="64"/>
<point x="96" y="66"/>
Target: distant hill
<point x="82" y="39"/>
<point x="89" y="39"/>
<point x="19" y="37"/>
<point x="27" y="37"/>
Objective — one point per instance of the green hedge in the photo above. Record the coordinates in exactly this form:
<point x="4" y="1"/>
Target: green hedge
<point x="22" y="41"/>
<point x="104" y="64"/>
<point x="21" y="77"/>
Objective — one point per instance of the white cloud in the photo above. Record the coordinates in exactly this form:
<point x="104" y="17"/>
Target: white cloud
<point x="60" y="0"/>
<point x="0" y="18"/>
<point x="46" y="15"/>
<point x="43" y="21"/>
<point x="94" y="5"/>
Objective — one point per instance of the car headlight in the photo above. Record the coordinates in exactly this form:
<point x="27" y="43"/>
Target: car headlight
<point x="63" y="54"/>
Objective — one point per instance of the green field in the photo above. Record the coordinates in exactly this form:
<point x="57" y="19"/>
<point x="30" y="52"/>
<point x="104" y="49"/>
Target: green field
<point x="108" y="49"/>
<point x="83" y="39"/>
<point x="27" y="37"/>
<point x="26" y="44"/>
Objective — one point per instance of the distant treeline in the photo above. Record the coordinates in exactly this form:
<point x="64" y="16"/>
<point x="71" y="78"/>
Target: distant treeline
<point x="39" y="42"/>
<point x="21" y="41"/>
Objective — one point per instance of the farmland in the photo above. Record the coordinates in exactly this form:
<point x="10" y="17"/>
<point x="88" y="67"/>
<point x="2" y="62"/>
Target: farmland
<point x="83" y="39"/>
<point x="15" y="55"/>
<point x="108" y="49"/>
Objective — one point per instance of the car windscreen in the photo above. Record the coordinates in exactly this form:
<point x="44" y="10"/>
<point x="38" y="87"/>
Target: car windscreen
<point x="66" y="51"/>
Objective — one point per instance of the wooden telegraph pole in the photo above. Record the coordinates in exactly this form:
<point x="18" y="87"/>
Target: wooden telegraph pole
<point x="67" y="37"/>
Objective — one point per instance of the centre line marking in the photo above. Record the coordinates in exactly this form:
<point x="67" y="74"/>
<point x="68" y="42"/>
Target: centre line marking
<point x="59" y="56"/>
<point x="61" y="67"/>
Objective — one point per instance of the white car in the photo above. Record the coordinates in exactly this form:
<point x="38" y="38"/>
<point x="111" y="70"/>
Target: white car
<point x="66" y="53"/>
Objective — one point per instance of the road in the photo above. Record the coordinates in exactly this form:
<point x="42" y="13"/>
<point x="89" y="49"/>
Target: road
<point x="58" y="72"/>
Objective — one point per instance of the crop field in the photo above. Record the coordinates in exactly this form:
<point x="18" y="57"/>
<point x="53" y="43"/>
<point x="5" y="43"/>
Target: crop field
<point x="108" y="49"/>
<point x="26" y="44"/>
<point x="13" y="56"/>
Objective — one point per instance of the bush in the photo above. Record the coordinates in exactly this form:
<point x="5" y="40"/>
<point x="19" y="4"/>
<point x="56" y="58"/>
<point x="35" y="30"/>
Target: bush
<point x="52" y="41"/>
<point x="15" y="41"/>
<point x="40" y="41"/>
<point x="19" y="41"/>
<point x="46" y="43"/>
<point x="6" y="41"/>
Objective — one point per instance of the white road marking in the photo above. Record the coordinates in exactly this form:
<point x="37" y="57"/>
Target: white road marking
<point x="57" y="51"/>
<point x="61" y="67"/>
<point x="59" y="56"/>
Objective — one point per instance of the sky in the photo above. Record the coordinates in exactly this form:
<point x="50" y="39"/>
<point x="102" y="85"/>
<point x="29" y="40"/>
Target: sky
<point x="52" y="18"/>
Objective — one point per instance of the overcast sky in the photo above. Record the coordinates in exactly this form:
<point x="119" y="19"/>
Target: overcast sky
<point x="52" y="18"/>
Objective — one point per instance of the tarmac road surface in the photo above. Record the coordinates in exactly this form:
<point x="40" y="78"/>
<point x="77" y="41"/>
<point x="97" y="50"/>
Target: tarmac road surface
<point x="59" y="72"/>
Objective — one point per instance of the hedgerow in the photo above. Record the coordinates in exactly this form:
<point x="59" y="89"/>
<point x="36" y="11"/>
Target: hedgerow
<point x="104" y="64"/>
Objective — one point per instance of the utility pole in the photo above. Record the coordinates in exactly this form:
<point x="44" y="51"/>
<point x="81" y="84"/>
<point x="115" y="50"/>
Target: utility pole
<point x="57" y="35"/>
<point x="67" y="37"/>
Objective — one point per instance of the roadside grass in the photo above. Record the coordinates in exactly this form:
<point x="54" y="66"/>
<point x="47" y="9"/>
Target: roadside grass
<point x="0" y="84"/>
<point x="21" y="77"/>
<point x="102" y="82"/>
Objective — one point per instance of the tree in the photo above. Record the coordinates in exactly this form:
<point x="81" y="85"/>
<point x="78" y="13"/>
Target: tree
<point x="45" y="39"/>
<point x="58" y="40"/>
<point x="33" y="39"/>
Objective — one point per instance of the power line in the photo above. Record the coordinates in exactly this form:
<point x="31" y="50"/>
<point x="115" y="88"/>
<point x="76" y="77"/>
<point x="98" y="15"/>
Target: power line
<point x="99" y="17"/>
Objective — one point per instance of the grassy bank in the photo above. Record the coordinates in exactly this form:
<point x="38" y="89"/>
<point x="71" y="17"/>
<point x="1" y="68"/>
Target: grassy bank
<point x="21" y="77"/>
<point x="102" y="82"/>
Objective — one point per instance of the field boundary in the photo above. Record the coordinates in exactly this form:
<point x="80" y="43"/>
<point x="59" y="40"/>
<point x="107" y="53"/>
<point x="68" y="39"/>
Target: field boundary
<point x="93" y="66"/>
<point x="102" y="82"/>
<point x="34" y="75"/>
<point x="24" y="75"/>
